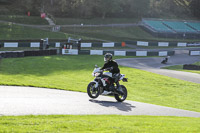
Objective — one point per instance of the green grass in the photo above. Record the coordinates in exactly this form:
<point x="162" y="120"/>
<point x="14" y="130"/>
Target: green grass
<point x="105" y="123"/>
<point x="180" y="68"/>
<point x="11" y="31"/>
<point x="110" y="33"/>
<point x="197" y="63"/>
<point x="95" y="21"/>
<point x="116" y="34"/>
<point x="34" y="20"/>
<point x="74" y="73"/>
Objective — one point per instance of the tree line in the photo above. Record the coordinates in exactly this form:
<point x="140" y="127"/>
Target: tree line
<point x="104" y="8"/>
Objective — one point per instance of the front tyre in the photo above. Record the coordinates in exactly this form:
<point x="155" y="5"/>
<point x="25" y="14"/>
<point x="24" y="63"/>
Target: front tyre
<point x="121" y="97"/>
<point x="92" y="91"/>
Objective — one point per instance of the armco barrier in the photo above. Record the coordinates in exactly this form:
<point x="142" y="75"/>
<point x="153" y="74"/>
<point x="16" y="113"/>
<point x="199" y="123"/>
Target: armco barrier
<point x="108" y="51"/>
<point x="120" y="53"/>
<point x="70" y="51"/>
<point x="158" y="44"/>
<point x="130" y="53"/>
<point x="152" y="53"/>
<point x="59" y="44"/>
<point x="194" y="53"/>
<point x="96" y="52"/>
<point x="11" y="44"/>
<point x="97" y="44"/>
<point x="84" y="52"/>
<point x="117" y="53"/>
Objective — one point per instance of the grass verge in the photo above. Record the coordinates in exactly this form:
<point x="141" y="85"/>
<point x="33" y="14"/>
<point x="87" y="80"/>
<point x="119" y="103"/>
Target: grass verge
<point x="180" y="68"/>
<point x="74" y="73"/>
<point x="117" y="34"/>
<point x="108" y="124"/>
<point x="95" y="21"/>
<point x="11" y="31"/>
<point x="33" y="20"/>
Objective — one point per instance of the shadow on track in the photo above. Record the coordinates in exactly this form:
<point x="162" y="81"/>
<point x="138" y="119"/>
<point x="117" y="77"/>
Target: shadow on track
<point x="120" y="106"/>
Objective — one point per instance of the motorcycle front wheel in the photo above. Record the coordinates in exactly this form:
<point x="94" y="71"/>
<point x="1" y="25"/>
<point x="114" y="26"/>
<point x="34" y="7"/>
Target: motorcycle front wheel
<point x="92" y="91"/>
<point x="121" y="97"/>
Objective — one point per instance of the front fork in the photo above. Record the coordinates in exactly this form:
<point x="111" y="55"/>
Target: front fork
<point x="117" y="83"/>
<point x="97" y="86"/>
<point x="96" y="83"/>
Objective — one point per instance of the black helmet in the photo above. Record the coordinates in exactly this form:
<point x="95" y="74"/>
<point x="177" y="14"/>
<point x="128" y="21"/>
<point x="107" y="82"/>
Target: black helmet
<point x="107" y="57"/>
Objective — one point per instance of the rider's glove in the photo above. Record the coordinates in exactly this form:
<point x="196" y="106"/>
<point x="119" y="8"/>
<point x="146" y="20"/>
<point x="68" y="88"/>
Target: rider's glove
<point x="101" y="71"/>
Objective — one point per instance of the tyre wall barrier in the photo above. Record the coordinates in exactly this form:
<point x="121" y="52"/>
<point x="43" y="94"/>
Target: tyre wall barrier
<point x="191" y="67"/>
<point x="40" y="52"/>
<point x="117" y="53"/>
<point x="99" y="44"/>
<point x="11" y="54"/>
<point x="16" y="54"/>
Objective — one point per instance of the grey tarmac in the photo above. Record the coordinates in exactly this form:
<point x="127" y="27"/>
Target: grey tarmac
<point x="153" y="64"/>
<point x="16" y="101"/>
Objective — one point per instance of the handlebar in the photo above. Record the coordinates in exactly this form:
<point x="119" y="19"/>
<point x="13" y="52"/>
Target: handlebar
<point x="107" y="69"/>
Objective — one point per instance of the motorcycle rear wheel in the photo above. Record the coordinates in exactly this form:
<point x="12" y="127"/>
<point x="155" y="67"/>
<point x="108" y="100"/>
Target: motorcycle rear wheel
<point x="120" y="97"/>
<point x="92" y="91"/>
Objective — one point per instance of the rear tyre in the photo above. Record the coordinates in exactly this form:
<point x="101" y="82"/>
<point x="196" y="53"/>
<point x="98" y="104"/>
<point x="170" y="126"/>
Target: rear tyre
<point x="121" y="97"/>
<point x="92" y="91"/>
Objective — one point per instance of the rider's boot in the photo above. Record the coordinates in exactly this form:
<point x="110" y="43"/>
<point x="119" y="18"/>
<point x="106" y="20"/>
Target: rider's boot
<point x="119" y="89"/>
<point x="111" y="88"/>
<point x="106" y="93"/>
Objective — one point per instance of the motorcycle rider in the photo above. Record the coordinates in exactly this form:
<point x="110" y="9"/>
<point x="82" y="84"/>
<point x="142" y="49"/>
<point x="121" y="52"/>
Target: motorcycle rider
<point x="165" y="60"/>
<point x="112" y="67"/>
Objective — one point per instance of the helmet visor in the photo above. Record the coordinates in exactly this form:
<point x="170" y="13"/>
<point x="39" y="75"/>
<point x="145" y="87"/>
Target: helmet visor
<point x="106" y="59"/>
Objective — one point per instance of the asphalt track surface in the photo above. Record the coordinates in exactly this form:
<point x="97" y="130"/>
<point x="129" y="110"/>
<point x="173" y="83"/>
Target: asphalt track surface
<point x="154" y="64"/>
<point x="43" y="101"/>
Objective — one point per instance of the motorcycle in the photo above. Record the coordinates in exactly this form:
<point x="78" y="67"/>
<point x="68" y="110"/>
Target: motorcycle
<point x="104" y="82"/>
<point x="165" y="60"/>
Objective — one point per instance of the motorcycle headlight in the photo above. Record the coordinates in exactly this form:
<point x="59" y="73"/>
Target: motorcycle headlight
<point x="95" y="74"/>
